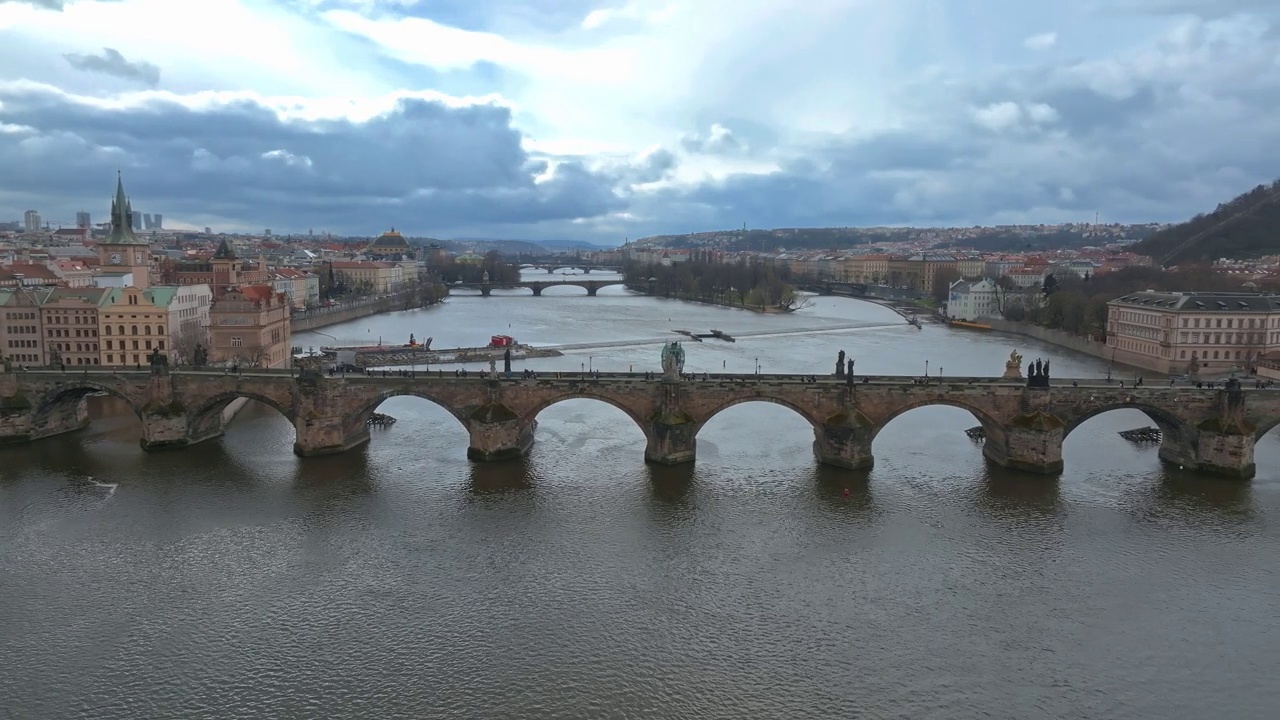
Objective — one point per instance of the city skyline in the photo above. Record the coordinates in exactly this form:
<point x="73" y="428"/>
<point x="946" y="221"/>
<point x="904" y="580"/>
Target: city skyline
<point x="600" y="121"/>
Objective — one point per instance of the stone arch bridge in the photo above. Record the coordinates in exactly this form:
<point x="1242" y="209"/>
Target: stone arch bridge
<point x="1208" y="430"/>
<point x="586" y="269"/>
<point x="537" y="286"/>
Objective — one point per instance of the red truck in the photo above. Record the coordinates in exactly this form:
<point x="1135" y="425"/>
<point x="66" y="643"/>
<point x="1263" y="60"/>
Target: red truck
<point x="498" y="341"/>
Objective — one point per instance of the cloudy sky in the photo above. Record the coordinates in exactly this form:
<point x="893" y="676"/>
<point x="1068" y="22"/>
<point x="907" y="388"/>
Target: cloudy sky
<point x="605" y="119"/>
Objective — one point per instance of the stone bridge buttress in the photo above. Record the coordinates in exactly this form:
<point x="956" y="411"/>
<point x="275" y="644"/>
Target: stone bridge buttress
<point x="1208" y="430"/>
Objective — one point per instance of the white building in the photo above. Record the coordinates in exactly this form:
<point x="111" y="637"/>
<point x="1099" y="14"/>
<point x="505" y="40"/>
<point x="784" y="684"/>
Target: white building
<point x="189" y="315"/>
<point x="970" y="301"/>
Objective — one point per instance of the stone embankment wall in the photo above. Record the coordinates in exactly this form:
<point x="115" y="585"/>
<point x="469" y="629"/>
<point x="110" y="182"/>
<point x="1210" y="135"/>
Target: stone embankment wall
<point x="324" y="316"/>
<point x="1056" y="337"/>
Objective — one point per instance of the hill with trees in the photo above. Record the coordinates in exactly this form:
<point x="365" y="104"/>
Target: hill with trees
<point x="1247" y="226"/>
<point x="1009" y="238"/>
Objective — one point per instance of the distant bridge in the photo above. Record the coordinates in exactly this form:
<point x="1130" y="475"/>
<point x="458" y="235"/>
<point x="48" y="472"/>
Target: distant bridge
<point x="1207" y="430"/>
<point x="537" y="286"/>
<point x="584" y="267"/>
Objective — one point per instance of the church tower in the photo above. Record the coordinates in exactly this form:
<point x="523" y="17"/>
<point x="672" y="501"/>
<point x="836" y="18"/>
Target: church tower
<point x="122" y="250"/>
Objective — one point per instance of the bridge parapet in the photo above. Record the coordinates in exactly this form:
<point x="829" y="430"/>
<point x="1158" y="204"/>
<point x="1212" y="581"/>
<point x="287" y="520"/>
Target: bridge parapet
<point x="1211" y="430"/>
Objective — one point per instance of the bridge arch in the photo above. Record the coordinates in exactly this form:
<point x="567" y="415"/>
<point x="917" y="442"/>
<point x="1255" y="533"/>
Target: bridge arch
<point x="63" y="398"/>
<point x="701" y="422"/>
<point x="206" y="419"/>
<point x="988" y="422"/>
<point x="1165" y="420"/>
<point x="360" y="418"/>
<point x="531" y="415"/>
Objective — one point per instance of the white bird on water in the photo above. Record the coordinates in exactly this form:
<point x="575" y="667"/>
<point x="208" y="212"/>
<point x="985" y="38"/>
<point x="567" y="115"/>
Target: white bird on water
<point x="111" y="487"/>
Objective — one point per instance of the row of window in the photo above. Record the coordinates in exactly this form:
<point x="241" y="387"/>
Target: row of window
<point x="24" y="357"/>
<point x="1153" y="333"/>
<point x="65" y="332"/>
<point x="19" y="316"/>
<point x="133" y="330"/>
<point x="79" y="319"/>
<point x="146" y="345"/>
<point x="1253" y="322"/>
<point x="22" y="330"/>
<point x="22" y="343"/>
<point x="1226" y="355"/>
<point x="1228" y="338"/>
<point x="80" y="347"/>
<point x="111" y="359"/>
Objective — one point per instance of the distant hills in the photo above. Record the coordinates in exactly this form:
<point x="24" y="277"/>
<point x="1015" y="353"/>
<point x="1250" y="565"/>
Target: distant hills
<point x="1005" y="238"/>
<point x="514" y="247"/>
<point x="1248" y="226"/>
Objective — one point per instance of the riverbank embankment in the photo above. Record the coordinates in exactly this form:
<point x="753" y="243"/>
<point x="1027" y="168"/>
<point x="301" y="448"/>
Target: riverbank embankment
<point x="316" y="318"/>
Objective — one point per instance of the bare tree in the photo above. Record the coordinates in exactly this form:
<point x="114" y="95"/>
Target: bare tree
<point x="184" y="344"/>
<point x="257" y="356"/>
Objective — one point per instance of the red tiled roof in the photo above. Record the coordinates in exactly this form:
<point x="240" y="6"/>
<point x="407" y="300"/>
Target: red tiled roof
<point x="257" y="293"/>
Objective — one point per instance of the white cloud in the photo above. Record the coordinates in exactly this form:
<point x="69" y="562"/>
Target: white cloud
<point x="998" y="117"/>
<point x="1041" y="41"/>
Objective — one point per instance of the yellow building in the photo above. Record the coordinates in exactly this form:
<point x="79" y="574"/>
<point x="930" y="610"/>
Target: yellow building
<point x="368" y="277"/>
<point x="133" y="322"/>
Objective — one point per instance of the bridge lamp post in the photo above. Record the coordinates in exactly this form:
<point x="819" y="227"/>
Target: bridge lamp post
<point x="590" y="363"/>
<point x="926" y="368"/>
<point x="757" y="366"/>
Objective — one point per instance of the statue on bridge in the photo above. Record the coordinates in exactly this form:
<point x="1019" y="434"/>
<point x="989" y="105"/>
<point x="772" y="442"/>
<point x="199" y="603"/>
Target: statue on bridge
<point x="672" y="360"/>
<point x="159" y="362"/>
<point x="840" y="364"/>
<point x="506" y="361"/>
<point x="1038" y="374"/>
<point x="199" y="356"/>
<point x="55" y="357"/>
<point x="1013" y="368"/>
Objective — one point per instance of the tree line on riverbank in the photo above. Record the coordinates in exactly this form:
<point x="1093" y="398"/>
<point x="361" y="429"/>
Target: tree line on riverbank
<point x="447" y="268"/>
<point x="754" y="285"/>
<point x="1078" y="305"/>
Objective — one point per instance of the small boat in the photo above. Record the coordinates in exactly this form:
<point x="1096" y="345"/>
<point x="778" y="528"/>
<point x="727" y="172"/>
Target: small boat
<point x="915" y="320"/>
<point x="720" y="334"/>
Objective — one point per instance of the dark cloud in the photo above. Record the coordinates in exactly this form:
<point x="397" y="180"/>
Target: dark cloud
<point x="111" y="62"/>
<point x="422" y="165"/>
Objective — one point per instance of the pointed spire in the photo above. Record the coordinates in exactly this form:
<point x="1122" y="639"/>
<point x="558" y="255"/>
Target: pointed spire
<point x="121" y="217"/>
<point x="224" y="251"/>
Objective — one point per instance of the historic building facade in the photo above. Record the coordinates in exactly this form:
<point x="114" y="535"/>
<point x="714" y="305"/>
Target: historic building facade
<point x="1170" y="332"/>
<point x="249" y="325"/>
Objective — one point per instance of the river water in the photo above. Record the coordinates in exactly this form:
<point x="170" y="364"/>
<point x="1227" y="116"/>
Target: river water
<point x="399" y="580"/>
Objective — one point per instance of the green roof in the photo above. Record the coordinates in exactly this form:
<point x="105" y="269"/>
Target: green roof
<point x="161" y="295"/>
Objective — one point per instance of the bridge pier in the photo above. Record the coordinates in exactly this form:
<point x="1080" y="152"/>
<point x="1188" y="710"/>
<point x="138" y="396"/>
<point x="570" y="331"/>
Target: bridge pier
<point x="844" y="440"/>
<point x="1031" y="443"/>
<point x="537" y="290"/>
<point x="591" y="290"/>
<point x="485" y="290"/>
<point x="1229" y="454"/>
<point x="671" y="441"/>
<point x="326" y="436"/>
<point x="498" y="434"/>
